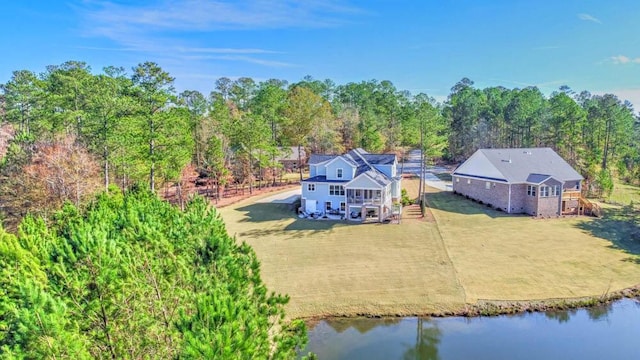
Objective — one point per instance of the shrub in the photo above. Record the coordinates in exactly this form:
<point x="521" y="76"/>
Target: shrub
<point x="404" y="198"/>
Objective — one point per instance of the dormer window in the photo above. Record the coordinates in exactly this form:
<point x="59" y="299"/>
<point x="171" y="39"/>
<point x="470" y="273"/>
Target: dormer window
<point x="339" y="173"/>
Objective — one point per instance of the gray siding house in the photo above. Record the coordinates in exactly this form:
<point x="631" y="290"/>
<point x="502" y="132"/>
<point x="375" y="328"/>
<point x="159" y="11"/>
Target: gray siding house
<point x="534" y="181"/>
<point x="358" y="185"/>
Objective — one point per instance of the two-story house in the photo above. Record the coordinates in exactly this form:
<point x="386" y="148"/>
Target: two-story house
<point x="358" y="185"/>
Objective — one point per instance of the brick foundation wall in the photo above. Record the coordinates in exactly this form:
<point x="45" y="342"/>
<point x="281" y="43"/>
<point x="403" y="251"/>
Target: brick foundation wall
<point x="497" y="195"/>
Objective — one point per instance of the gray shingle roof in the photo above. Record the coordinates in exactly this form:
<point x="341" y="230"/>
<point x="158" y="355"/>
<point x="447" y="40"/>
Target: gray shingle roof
<point x="323" y="178"/>
<point x="378" y="177"/>
<point x="537" y="178"/>
<point x="362" y="160"/>
<point x="315" y="159"/>
<point x="517" y="165"/>
<point x="380" y="159"/>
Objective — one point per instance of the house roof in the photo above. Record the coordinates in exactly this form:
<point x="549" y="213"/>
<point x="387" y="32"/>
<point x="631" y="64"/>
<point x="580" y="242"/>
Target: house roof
<point x="290" y="153"/>
<point x="380" y="159"/>
<point x="522" y="165"/>
<point x="362" y="160"/>
<point x="316" y="159"/>
<point x="378" y="177"/>
<point x="323" y="178"/>
<point x="537" y="178"/>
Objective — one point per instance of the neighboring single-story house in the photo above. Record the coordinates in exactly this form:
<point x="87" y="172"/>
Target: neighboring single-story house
<point x="535" y="181"/>
<point x="358" y="185"/>
<point x="289" y="157"/>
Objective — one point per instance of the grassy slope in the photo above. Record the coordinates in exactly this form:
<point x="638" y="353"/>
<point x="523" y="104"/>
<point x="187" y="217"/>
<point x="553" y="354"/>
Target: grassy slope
<point x="625" y="194"/>
<point x="518" y="258"/>
<point x="334" y="268"/>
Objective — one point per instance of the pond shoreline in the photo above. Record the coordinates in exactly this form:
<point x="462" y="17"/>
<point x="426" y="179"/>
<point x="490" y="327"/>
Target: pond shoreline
<point x="503" y="307"/>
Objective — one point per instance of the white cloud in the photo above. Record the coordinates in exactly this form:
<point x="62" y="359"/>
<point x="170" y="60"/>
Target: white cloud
<point x="242" y="58"/>
<point x="587" y="17"/>
<point x="630" y="94"/>
<point x="622" y="59"/>
<point x="166" y="28"/>
<point x="225" y="50"/>
<point x="109" y="18"/>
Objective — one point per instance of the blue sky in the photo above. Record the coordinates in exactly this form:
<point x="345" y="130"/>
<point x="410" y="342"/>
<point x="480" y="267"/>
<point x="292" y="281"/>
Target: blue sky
<point x="421" y="46"/>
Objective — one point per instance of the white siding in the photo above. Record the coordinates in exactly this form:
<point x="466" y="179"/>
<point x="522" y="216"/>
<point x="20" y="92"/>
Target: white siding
<point x="313" y="170"/>
<point x="306" y="194"/>
<point x="364" y="182"/>
<point x="321" y="170"/>
<point x="339" y="163"/>
<point x="321" y="195"/>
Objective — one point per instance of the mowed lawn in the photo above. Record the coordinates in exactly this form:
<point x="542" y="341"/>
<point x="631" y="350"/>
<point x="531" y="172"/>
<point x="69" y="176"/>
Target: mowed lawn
<point x="471" y="252"/>
<point x="505" y="257"/>
<point x="339" y="268"/>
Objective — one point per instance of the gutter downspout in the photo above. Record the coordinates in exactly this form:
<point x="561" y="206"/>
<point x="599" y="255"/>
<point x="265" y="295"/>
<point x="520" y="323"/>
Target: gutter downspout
<point x="560" y="198"/>
<point x="509" y="201"/>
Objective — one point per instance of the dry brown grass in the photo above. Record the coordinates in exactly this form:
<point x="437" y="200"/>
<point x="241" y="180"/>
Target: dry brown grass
<point x="335" y="268"/>
<point x="505" y="257"/>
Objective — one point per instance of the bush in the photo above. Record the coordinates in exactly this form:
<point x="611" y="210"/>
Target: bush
<point x="404" y="198"/>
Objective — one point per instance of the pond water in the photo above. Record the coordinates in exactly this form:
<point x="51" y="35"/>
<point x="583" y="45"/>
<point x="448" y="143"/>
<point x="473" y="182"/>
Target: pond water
<point x="607" y="332"/>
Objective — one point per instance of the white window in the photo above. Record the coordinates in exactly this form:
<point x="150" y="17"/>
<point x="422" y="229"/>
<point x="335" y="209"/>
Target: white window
<point x="487" y="185"/>
<point x="311" y="187"/>
<point x="336" y="190"/>
<point x="556" y="191"/>
<point x="327" y="205"/>
<point x="343" y="206"/>
<point x="339" y="173"/>
<point x="544" y="191"/>
<point x="531" y="190"/>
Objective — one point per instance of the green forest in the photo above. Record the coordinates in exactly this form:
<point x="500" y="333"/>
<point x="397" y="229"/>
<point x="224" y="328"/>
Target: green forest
<point x="94" y="264"/>
<point x="131" y="128"/>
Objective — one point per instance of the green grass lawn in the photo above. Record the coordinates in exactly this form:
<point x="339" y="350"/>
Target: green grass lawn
<point x="444" y="176"/>
<point x="340" y="268"/>
<point x="505" y="257"/>
<point x="419" y="267"/>
<point x="625" y="194"/>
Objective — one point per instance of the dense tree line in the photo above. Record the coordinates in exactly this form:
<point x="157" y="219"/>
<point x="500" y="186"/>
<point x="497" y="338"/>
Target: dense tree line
<point x="136" y="128"/>
<point x="598" y="134"/>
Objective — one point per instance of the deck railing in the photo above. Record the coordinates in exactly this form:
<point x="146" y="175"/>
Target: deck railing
<point x="571" y="194"/>
<point x="362" y="200"/>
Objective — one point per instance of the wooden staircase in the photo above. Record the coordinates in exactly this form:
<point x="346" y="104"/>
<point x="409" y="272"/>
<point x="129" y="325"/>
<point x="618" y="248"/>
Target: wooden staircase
<point x="586" y="207"/>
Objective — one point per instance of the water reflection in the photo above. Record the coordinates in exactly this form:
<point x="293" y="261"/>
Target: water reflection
<point x="362" y="325"/>
<point x="427" y="341"/>
<point x="562" y="316"/>
<point x="596" y="333"/>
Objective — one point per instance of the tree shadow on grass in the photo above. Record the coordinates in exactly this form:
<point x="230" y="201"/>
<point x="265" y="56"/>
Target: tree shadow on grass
<point x="261" y="212"/>
<point x="450" y="202"/>
<point x="273" y="212"/>
<point x="297" y="229"/>
<point x="619" y="226"/>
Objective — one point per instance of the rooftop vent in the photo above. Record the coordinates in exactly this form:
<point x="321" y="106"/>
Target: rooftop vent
<point x="527" y="152"/>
